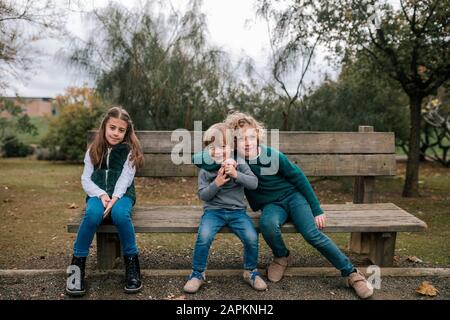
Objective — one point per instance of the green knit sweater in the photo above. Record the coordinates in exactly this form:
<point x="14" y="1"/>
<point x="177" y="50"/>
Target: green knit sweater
<point x="271" y="187"/>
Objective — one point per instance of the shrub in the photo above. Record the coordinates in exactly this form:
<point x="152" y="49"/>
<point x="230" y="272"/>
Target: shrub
<point x="12" y="147"/>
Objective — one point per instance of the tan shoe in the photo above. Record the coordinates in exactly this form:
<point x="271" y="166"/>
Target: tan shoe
<point x="362" y="287"/>
<point x="195" y="281"/>
<point x="254" y="280"/>
<point x="276" y="269"/>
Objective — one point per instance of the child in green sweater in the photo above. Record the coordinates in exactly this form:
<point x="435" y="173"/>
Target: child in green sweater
<point x="284" y="193"/>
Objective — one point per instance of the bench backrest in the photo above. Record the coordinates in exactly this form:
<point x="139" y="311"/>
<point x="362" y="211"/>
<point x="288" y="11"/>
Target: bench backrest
<point x="363" y="154"/>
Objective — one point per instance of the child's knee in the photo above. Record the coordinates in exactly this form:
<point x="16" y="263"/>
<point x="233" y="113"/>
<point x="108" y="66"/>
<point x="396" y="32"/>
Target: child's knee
<point x="94" y="213"/>
<point x="119" y="216"/>
<point x="205" y="236"/>
<point x="93" y="216"/>
<point x="251" y="237"/>
<point x="269" y="226"/>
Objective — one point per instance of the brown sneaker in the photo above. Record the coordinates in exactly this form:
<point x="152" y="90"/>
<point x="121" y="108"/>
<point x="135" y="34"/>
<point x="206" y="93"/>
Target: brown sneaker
<point x="362" y="287"/>
<point x="277" y="267"/>
<point x="254" y="280"/>
<point x="195" y="281"/>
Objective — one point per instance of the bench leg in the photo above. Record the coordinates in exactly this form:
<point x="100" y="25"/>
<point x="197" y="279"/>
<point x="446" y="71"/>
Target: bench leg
<point x="360" y="242"/>
<point x="382" y="248"/>
<point x="108" y="249"/>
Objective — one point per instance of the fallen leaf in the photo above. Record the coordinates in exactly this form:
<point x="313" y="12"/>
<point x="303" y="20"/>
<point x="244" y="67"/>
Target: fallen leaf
<point x="182" y="297"/>
<point x="414" y="259"/>
<point x="427" y="289"/>
<point x="72" y="205"/>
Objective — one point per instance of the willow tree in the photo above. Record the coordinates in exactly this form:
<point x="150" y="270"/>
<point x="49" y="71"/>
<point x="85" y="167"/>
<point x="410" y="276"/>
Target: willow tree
<point x="407" y="40"/>
<point x="156" y="62"/>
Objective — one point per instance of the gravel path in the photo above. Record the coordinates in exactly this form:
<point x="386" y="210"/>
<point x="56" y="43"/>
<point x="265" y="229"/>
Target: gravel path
<point x="226" y="288"/>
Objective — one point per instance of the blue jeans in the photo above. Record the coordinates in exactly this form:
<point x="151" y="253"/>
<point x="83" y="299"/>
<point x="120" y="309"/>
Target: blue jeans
<point x="295" y="207"/>
<point x="239" y="223"/>
<point x="93" y="217"/>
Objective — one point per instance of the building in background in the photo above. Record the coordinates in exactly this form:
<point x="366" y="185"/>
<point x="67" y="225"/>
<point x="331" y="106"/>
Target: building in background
<point x="35" y="106"/>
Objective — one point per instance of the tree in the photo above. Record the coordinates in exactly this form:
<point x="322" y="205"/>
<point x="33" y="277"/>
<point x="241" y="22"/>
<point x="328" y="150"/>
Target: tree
<point x="337" y="105"/>
<point x="157" y="65"/>
<point x="410" y="44"/>
<point x="293" y="48"/>
<point x="23" y="23"/>
<point x="81" y="111"/>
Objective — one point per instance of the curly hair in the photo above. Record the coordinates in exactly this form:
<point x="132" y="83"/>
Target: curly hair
<point x="238" y="120"/>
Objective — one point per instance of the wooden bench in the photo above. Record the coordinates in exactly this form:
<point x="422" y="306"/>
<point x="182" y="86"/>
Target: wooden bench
<point x="363" y="155"/>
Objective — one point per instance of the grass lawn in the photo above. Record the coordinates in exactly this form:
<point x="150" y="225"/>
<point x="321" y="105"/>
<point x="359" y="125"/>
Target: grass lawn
<point x="35" y="198"/>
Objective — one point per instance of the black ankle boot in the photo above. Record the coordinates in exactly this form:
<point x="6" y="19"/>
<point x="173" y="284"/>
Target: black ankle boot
<point x="73" y="286"/>
<point x="132" y="274"/>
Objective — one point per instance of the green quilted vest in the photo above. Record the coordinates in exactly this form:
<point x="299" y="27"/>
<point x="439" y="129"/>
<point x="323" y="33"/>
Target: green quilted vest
<point x="108" y="173"/>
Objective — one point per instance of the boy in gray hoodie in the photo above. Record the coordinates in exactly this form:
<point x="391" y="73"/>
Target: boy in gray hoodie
<point x="222" y="193"/>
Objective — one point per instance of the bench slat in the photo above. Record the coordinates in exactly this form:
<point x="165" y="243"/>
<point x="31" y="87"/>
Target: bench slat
<point x="161" y="165"/>
<point x="292" y="142"/>
<point x="327" y="207"/>
<point x="340" y="218"/>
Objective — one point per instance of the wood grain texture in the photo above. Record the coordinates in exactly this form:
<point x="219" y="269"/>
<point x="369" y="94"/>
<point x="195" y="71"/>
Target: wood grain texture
<point x="380" y="217"/>
<point x="289" y="142"/>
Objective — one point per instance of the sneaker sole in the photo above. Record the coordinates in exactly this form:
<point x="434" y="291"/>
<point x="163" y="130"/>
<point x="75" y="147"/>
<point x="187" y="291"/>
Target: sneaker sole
<point x="127" y="290"/>
<point x="192" y="291"/>
<point x="75" y="293"/>
<point x="257" y="289"/>
<point x="188" y="291"/>
<point x="274" y="281"/>
<point x="366" y="297"/>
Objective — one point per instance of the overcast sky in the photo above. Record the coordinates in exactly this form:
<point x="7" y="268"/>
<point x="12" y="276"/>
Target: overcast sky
<point x="232" y="24"/>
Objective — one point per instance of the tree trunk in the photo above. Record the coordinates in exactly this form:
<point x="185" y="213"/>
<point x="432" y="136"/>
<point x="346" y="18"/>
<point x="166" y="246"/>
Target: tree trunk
<point x="188" y="118"/>
<point x="411" y="187"/>
<point x="285" y="121"/>
<point x="425" y="142"/>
